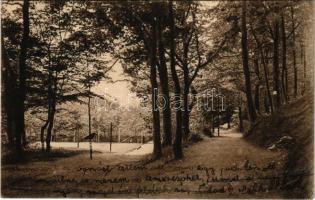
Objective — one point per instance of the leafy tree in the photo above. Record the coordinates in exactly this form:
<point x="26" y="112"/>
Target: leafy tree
<point x="140" y="50"/>
<point x="250" y="105"/>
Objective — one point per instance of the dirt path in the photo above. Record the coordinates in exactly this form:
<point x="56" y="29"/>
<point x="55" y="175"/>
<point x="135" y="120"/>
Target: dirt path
<point x="221" y="167"/>
<point x="243" y="170"/>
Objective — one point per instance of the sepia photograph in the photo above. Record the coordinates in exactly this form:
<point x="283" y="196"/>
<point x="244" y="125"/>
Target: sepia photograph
<point x="157" y="99"/>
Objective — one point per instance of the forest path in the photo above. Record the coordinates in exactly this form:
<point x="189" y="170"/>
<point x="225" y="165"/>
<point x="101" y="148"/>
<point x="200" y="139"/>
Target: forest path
<point x="236" y="169"/>
<point x="220" y="167"/>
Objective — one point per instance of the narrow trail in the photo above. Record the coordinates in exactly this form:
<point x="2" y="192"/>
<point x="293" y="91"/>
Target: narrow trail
<point x="230" y="157"/>
<point x="229" y="148"/>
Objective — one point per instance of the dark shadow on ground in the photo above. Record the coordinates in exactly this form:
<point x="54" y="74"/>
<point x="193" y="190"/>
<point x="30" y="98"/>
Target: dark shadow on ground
<point x="36" y="155"/>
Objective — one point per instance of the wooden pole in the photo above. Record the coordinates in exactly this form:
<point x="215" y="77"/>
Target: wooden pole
<point x="89" y="109"/>
<point x="110" y="137"/>
<point x="218" y="123"/>
<point x="212" y="116"/>
<point x="241" y="128"/>
<point x="77" y="138"/>
<point x="91" y="149"/>
<point x="98" y="136"/>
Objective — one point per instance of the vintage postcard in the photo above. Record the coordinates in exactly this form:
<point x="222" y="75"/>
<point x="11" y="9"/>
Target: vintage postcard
<point x="157" y="99"/>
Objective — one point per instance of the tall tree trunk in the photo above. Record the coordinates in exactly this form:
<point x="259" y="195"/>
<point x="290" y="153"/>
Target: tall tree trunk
<point x="229" y="123"/>
<point x="49" y="130"/>
<point x="51" y="119"/>
<point x="20" y="108"/>
<point x="266" y="103"/>
<point x="257" y="98"/>
<point x="157" y="148"/>
<point x="241" y="127"/>
<point x="187" y="82"/>
<point x="264" y="62"/>
<point x="24" y="140"/>
<point x="257" y="86"/>
<point x="250" y="105"/>
<point x="294" y="54"/>
<point x="284" y="77"/>
<point x="193" y="102"/>
<point x="52" y="93"/>
<point x="178" y="152"/>
<point x="186" y="111"/>
<point x="8" y="95"/>
<point x="49" y="98"/>
<point x="42" y="133"/>
<point x="10" y="128"/>
<point x="8" y="109"/>
<point x="167" y="118"/>
<point x="304" y="67"/>
<point x="303" y="63"/>
<point x="276" y="86"/>
<point x="267" y="82"/>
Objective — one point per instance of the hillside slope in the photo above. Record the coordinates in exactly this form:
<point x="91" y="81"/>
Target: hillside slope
<point x="293" y="121"/>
